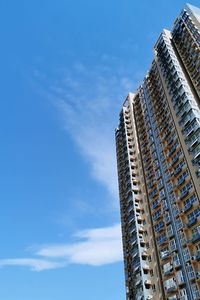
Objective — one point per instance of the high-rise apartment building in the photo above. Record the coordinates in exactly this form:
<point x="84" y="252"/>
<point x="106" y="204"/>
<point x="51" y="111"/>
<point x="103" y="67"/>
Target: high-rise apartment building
<point x="158" y="158"/>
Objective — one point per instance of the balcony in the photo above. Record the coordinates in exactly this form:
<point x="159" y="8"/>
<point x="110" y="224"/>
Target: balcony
<point x="197" y="275"/>
<point x="198" y="256"/>
<point x="141" y="229"/>
<point x="181" y="281"/>
<point x="170" y="233"/>
<point x="144" y="254"/>
<point x="195" y="161"/>
<point x="157" y="217"/>
<point x="196" y="237"/>
<point x="196" y="295"/>
<point x="196" y="152"/>
<point x="191" y="129"/>
<point x="175" y="160"/>
<point x="159" y="230"/>
<point x="192" y="222"/>
<point x="147" y="283"/>
<point x="192" y="275"/>
<point x="167" y="219"/>
<point x="177" y="171"/>
<point x="193" y="142"/>
<point x="164" y="255"/>
<point x="163" y="241"/>
<point x="138" y="282"/>
<point x="171" y="288"/>
<point x="156" y="204"/>
<point x="188" y="206"/>
<point x="180" y="181"/>
<point x="146" y="268"/>
<point x="172" y="150"/>
<point x="173" y="298"/>
<point x="169" y="130"/>
<point x="139" y="219"/>
<point x="177" y="263"/>
<point x="140" y="297"/>
<point x="168" y="272"/>
<point x="183" y="195"/>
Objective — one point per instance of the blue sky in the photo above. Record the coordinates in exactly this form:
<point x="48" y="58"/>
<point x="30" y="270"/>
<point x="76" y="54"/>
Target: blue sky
<point x="66" y="67"/>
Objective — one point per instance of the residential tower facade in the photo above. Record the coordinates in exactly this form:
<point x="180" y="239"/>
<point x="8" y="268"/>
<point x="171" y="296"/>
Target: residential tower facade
<point x="158" y="159"/>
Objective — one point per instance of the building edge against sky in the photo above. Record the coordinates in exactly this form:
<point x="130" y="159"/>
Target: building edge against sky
<point x="158" y="159"/>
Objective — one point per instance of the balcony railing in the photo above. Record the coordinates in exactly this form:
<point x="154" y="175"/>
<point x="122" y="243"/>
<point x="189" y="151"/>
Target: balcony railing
<point x="196" y="237"/>
<point x="169" y="271"/>
<point x="183" y="195"/>
<point x="164" y="255"/>
<point x="188" y="206"/>
<point x="171" y="288"/>
<point x="192" y="222"/>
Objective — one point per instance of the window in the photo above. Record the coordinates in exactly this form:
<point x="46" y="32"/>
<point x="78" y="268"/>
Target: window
<point x="157" y="214"/>
<point x="172" y="245"/>
<point x="164" y="205"/>
<point x="170" y="230"/>
<point x="162" y="193"/>
<point x="167" y="217"/>
<point x="160" y="183"/>
<point x="170" y="284"/>
<point x="169" y="186"/>
<point x="179" y="276"/>
<point x="195" y="291"/>
<point x="193" y="215"/>
<point x="164" y="252"/>
<point x="156" y="163"/>
<point x="162" y="238"/>
<point x="179" y="224"/>
<point x="159" y="226"/>
<point x="176" y="260"/>
<point x="190" y="271"/>
<point x="175" y="210"/>
<point x="196" y="230"/>
<point x="154" y="156"/>
<point x="155" y="203"/>
<point x="158" y="173"/>
<point x="182" y="237"/>
<point x="186" y="254"/>
<point x="186" y="188"/>
<point x="180" y="165"/>
<point x="182" y="177"/>
<point x="183" y="294"/>
<point x="172" y="198"/>
<point x="190" y="200"/>
<point x="167" y="267"/>
<point x="162" y="156"/>
<point x="167" y="175"/>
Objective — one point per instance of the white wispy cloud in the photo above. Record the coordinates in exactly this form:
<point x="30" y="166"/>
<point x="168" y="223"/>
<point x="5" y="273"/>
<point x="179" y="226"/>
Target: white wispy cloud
<point x="33" y="263"/>
<point x="96" y="144"/>
<point x="94" y="247"/>
<point x="89" y="99"/>
<point x="97" y="247"/>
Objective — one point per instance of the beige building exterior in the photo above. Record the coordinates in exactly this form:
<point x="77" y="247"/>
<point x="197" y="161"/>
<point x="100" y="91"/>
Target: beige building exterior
<point x="158" y="158"/>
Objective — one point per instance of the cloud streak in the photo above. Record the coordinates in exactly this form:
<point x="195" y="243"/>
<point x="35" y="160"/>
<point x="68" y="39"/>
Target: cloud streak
<point x="34" y="264"/>
<point x="85" y="103"/>
<point x="97" y="247"/>
<point x="94" y="247"/>
<point x="89" y="99"/>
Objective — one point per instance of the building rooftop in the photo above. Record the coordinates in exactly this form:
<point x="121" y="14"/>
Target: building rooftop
<point x="193" y="10"/>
